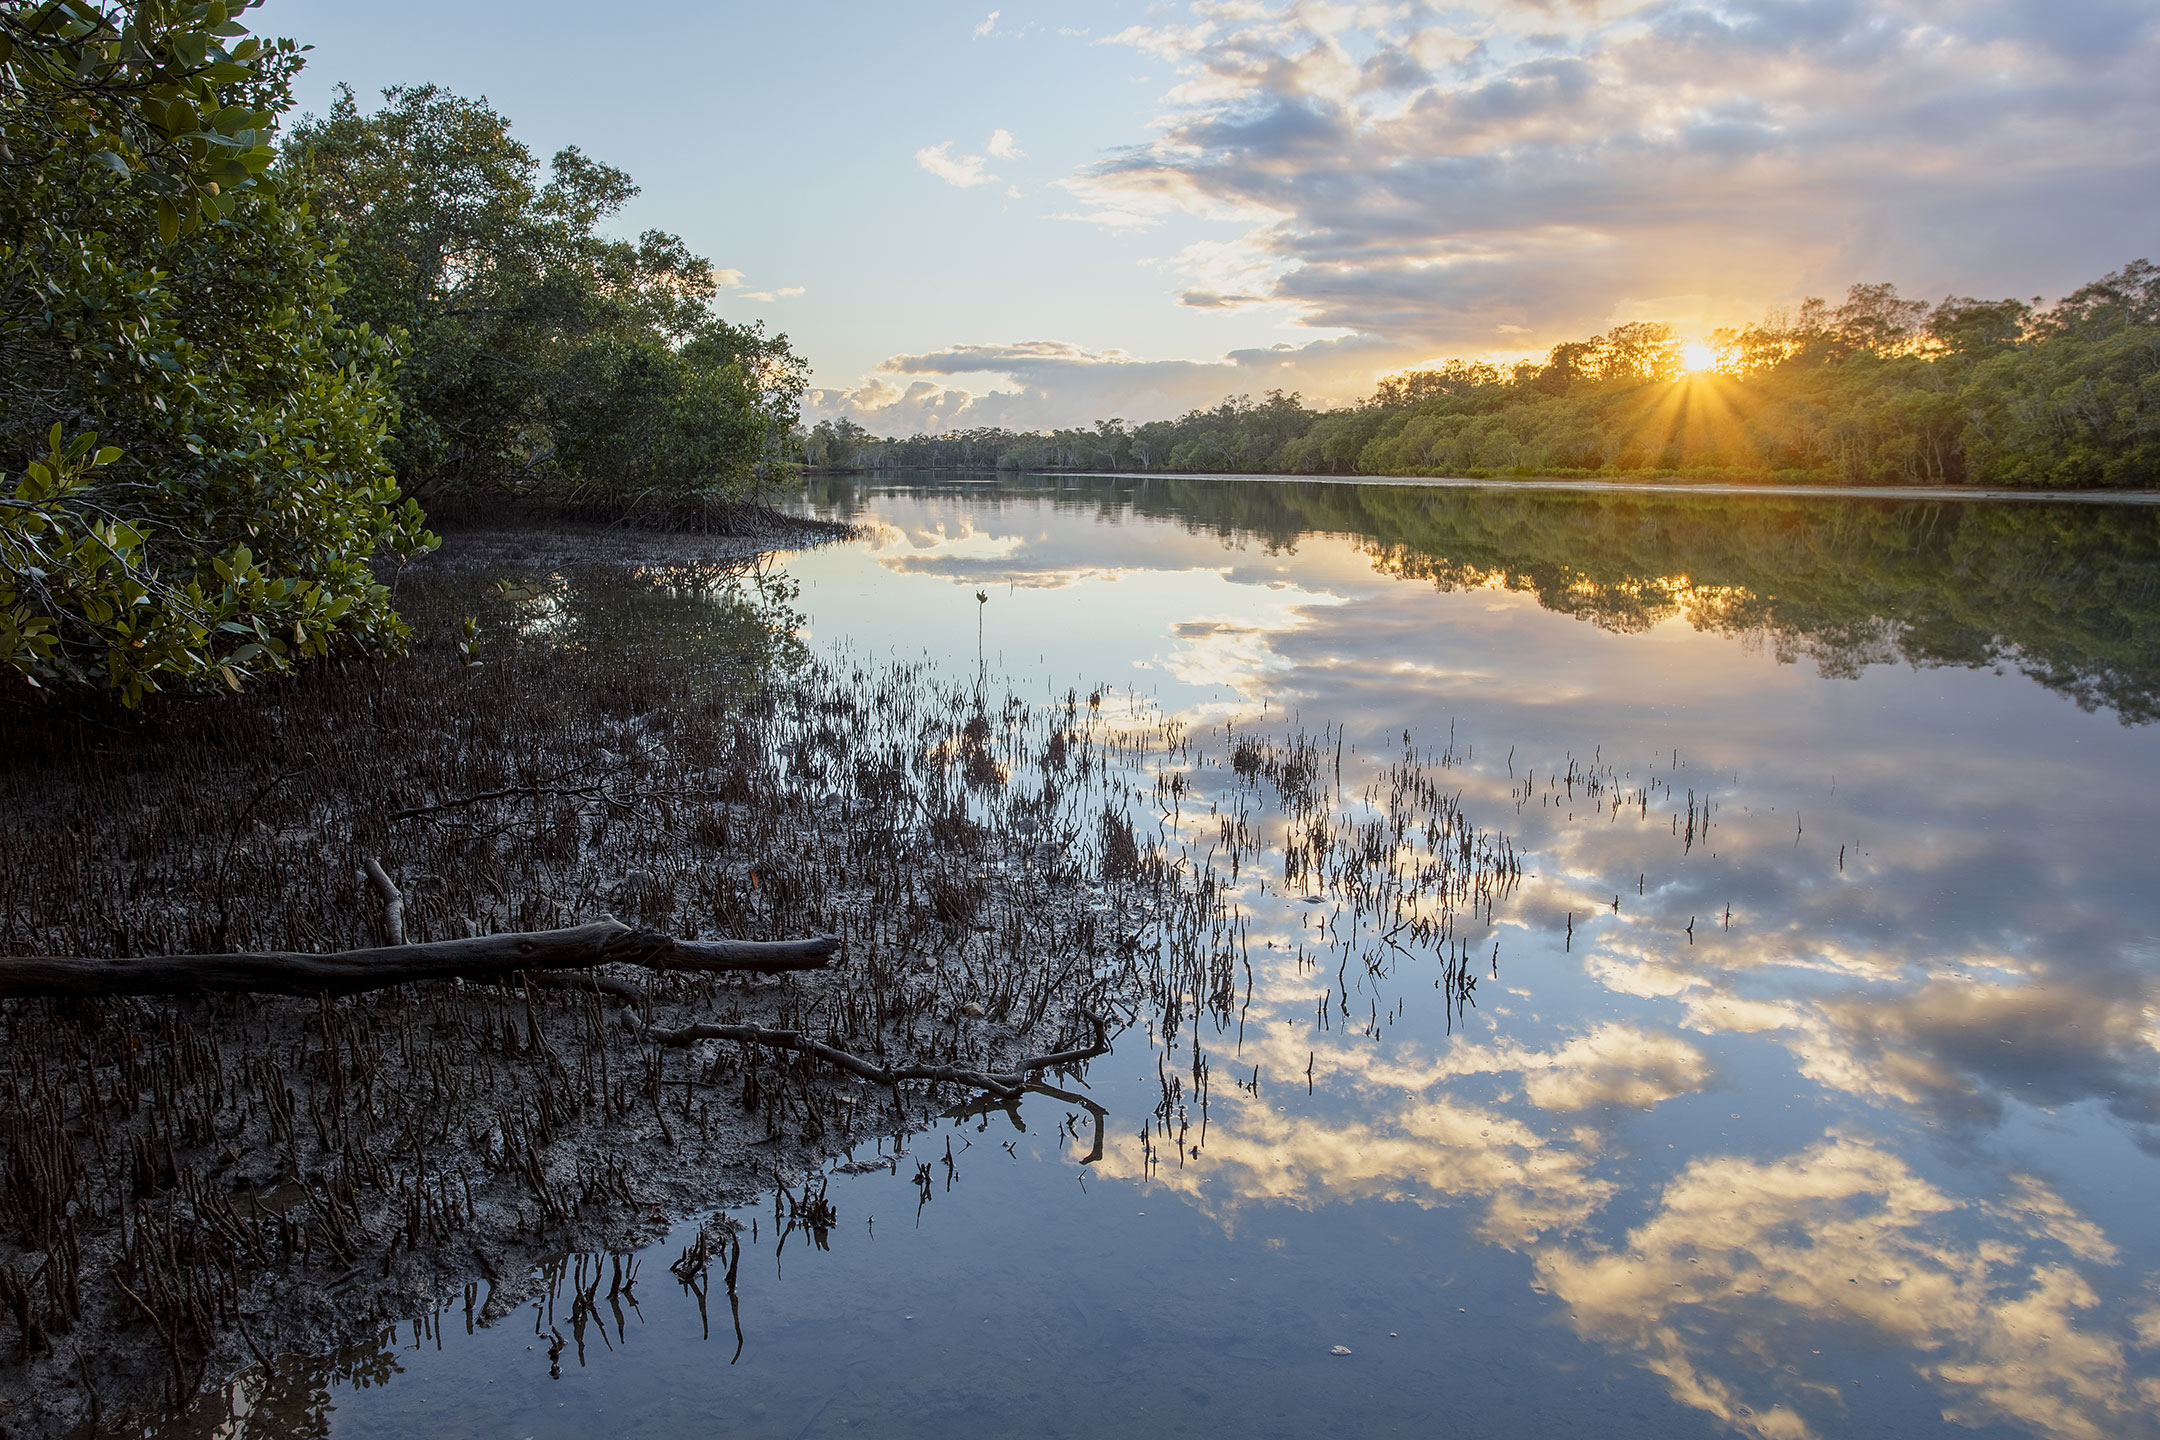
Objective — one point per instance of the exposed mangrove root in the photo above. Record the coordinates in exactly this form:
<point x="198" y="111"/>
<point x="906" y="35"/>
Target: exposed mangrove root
<point x="1008" y="1085"/>
<point x="485" y="957"/>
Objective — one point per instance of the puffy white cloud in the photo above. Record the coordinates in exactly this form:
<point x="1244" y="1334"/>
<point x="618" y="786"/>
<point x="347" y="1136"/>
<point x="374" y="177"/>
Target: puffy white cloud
<point x="1742" y="1259"/>
<point x="1429" y="1151"/>
<point x="736" y="284"/>
<point x="1614" y="1065"/>
<point x="968" y="171"/>
<point x="965" y="171"/>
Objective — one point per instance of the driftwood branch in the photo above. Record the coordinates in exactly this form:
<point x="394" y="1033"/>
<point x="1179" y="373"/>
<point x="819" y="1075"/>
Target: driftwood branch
<point x="486" y="957"/>
<point x="393" y="900"/>
<point x="1007" y="1084"/>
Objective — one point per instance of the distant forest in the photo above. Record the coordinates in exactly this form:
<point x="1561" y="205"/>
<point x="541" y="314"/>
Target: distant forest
<point x="1878" y="389"/>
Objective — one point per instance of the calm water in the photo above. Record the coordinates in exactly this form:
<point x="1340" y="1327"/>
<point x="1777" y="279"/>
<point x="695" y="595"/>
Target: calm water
<point x="1814" y="1090"/>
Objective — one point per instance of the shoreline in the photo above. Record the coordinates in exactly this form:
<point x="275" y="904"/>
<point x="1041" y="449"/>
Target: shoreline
<point x="1655" y="487"/>
<point x="551" y="543"/>
<point x="1585" y="485"/>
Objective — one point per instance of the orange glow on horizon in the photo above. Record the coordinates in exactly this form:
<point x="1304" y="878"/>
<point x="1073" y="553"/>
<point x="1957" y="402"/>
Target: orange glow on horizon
<point x="1698" y="357"/>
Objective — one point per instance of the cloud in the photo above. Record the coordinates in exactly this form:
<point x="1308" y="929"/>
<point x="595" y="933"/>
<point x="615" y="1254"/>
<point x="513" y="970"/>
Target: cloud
<point x="1743" y="1258"/>
<point x="1210" y="300"/>
<point x="1001" y="145"/>
<point x="734" y="282"/>
<point x="1048" y="383"/>
<point x="988" y="25"/>
<point x="1430" y="1151"/>
<point x="1960" y="1048"/>
<point x="1440" y="179"/>
<point x="1223" y="275"/>
<point x="964" y="171"/>
<point x="1614" y="1065"/>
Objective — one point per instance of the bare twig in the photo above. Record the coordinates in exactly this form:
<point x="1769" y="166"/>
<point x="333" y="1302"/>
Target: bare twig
<point x="1009" y="1084"/>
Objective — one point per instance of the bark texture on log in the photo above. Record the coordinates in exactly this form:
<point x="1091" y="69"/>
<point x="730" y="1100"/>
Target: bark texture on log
<point x="485" y="957"/>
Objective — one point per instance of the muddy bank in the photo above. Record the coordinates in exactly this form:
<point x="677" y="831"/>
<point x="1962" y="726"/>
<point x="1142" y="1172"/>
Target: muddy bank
<point x="195" y="1186"/>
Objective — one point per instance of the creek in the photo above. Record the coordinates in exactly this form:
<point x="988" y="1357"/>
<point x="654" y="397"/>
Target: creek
<point x="1804" y="1078"/>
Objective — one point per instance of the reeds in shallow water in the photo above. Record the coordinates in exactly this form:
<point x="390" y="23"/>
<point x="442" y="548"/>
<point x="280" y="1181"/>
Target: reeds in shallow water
<point x="638" y="745"/>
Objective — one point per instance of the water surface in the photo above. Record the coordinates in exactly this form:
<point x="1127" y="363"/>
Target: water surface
<point x="1811" y="1080"/>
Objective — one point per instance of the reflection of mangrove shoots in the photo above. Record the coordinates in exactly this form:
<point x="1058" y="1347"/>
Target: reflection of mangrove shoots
<point x="486" y="957"/>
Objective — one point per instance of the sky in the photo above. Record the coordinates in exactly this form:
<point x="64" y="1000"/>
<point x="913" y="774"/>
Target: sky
<point x="1050" y="213"/>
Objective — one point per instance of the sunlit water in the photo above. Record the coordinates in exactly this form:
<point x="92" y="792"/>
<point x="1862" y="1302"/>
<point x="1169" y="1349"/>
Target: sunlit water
<point x="1815" y="1089"/>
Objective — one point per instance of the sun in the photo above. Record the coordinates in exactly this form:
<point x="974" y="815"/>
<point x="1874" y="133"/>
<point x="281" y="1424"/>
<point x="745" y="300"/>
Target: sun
<point x="1697" y="357"/>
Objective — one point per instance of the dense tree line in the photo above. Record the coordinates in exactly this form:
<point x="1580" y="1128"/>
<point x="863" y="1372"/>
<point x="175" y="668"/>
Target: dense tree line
<point x="541" y="356"/>
<point x="230" y="361"/>
<point x="1878" y="389"/>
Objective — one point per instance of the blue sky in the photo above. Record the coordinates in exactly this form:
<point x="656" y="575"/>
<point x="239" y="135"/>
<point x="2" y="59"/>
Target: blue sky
<point x="1048" y="213"/>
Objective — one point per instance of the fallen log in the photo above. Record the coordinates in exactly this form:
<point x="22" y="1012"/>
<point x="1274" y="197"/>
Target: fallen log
<point x="484" y="957"/>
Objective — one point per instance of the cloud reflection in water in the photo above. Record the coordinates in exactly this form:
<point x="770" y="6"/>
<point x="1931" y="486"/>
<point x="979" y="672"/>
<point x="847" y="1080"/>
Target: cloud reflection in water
<point x="1921" y="905"/>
